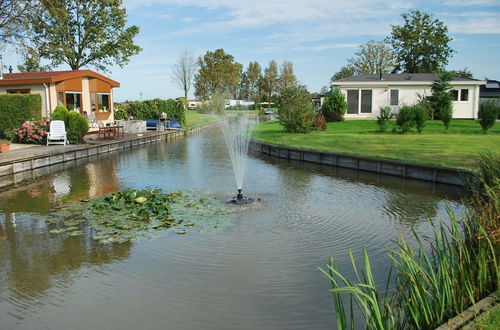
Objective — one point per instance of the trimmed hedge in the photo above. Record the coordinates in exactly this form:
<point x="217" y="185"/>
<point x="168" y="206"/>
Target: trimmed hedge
<point x="15" y="109"/>
<point x="152" y="109"/>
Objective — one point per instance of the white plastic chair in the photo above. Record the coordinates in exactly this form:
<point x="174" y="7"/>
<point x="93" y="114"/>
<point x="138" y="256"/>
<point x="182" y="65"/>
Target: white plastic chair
<point x="57" y="133"/>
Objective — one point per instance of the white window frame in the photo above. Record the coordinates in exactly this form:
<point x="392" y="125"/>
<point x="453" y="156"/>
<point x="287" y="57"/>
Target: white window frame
<point x="459" y="95"/>
<point x="359" y="100"/>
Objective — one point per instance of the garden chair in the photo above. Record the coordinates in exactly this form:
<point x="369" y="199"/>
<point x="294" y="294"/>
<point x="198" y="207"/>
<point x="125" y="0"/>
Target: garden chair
<point x="57" y="133"/>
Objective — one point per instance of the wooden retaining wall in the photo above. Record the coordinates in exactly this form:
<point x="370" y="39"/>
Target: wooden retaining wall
<point x="438" y="174"/>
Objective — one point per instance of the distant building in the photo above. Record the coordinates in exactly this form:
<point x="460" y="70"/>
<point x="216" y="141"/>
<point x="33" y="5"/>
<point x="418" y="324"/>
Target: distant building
<point x="79" y="90"/>
<point x="490" y="91"/>
<point x="366" y="94"/>
<point x="193" y="104"/>
<point x="232" y="103"/>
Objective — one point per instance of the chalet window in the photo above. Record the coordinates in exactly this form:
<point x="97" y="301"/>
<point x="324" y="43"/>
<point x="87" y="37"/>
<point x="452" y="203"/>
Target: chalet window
<point x="93" y="101"/>
<point x="19" y="91"/>
<point x="464" y="95"/>
<point x="353" y="101"/>
<point x="366" y="101"/>
<point x="454" y="95"/>
<point x="394" y="96"/>
<point x="73" y="101"/>
<point x="60" y="98"/>
<point x="103" y="101"/>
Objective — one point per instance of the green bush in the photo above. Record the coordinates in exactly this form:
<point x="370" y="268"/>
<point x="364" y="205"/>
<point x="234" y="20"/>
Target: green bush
<point x="405" y="118"/>
<point x="446" y="114"/>
<point x="335" y="106"/>
<point x="383" y="119"/>
<point x="77" y="127"/>
<point x="152" y="109"/>
<point x="296" y="112"/>
<point x="420" y="113"/>
<point x="60" y="113"/>
<point x="488" y="112"/>
<point x="16" y="109"/>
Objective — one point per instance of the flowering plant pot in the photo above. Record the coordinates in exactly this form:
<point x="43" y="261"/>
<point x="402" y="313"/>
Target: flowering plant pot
<point x="4" y="146"/>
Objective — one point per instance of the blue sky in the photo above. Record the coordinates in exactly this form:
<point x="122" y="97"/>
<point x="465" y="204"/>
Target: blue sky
<point x="318" y="36"/>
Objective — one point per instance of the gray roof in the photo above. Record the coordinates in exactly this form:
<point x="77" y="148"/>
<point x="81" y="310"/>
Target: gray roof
<point x="399" y="77"/>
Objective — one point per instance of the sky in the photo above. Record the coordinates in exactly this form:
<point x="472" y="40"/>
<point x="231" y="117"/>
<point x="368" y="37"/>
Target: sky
<point x="317" y="36"/>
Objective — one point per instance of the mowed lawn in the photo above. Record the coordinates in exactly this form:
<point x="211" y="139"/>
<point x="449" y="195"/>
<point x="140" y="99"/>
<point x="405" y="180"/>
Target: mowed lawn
<point x="459" y="147"/>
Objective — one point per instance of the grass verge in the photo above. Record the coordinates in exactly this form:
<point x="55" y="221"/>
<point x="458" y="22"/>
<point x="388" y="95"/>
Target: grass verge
<point x="458" y="147"/>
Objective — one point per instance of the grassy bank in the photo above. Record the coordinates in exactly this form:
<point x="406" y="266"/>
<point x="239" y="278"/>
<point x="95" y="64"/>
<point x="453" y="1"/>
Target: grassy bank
<point x="194" y="118"/>
<point x="459" y="147"/>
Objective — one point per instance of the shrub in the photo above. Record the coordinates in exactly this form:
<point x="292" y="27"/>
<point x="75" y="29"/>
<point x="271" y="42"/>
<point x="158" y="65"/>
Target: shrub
<point x="296" y="112"/>
<point x="447" y="114"/>
<point x="320" y="122"/>
<point x="60" y="113"/>
<point x="405" y="118"/>
<point x="152" y="109"/>
<point x="16" y="109"/>
<point x="383" y="119"/>
<point x="420" y="113"/>
<point x="77" y="127"/>
<point x="32" y="132"/>
<point x="488" y="112"/>
<point x="335" y="106"/>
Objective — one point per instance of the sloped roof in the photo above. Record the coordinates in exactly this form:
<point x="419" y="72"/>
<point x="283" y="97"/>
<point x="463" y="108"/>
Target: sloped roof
<point x="402" y="77"/>
<point x="25" y="78"/>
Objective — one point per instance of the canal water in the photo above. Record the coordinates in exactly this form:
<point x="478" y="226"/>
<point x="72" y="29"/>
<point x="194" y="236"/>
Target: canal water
<point x="258" y="273"/>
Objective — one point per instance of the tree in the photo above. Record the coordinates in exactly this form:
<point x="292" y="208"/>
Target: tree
<point x="335" y="106"/>
<point x="421" y="44"/>
<point x="344" y="72"/>
<point x="324" y="90"/>
<point x="270" y="80"/>
<point x="441" y="98"/>
<point x="31" y="62"/>
<point x="464" y="73"/>
<point x="183" y="72"/>
<point x="250" y="80"/>
<point x="84" y="33"/>
<point x="296" y="112"/>
<point x="287" y="78"/>
<point x="218" y="73"/>
<point x="14" y="14"/>
<point x="373" y="57"/>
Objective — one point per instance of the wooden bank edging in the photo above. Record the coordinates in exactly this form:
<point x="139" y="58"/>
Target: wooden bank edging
<point x="30" y="163"/>
<point x="438" y="174"/>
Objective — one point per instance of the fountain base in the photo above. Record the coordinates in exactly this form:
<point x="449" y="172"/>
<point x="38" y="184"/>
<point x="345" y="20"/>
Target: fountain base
<point x="239" y="199"/>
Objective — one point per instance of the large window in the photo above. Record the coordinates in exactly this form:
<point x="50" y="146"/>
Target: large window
<point x="394" y="96"/>
<point x="460" y="95"/>
<point x="353" y="101"/>
<point x="60" y="98"/>
<point x="103" y="101"/>
<point x="73" y="101"/>
<point x="366" y="101"/>
<point x="464" y="95"/>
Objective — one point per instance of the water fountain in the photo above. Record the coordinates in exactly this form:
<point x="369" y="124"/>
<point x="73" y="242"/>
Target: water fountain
<point x="237" y="136"/>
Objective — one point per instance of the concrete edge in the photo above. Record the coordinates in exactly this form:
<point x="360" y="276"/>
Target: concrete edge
<point x="431" y="173"/>
<point x="470" y="313"/>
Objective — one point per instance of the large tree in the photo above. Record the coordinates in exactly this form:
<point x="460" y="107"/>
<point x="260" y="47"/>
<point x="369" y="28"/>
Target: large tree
<point x="183" y="72"/>
<point x="287" y="78"/>
<point x="14" y="15"/>
<point x="373" y="57"/>
<point x="31" y="61"/>
<point x="84" y="33"/>
<point x="344" y="72"/>
<point x="218" y="73"/>
<point x="269" y="81"/>
<point x="249" y="85"/>
<point x="420" y="44"/>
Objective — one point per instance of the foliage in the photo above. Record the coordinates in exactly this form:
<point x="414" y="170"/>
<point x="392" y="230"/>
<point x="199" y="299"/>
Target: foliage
<point x="405" y="118"/>
<point x="218" y="73"/>
<point x="152" y="109"/>
<point x="16" y="109"/>
<point x="296" y="112"/>
<point x="488" y="113"/>
<point x="287" y="78"/>
<point x="373" y="57"/>
<point x="32" y="132"/>
<point x="250" y="88"/>
<point x="77" y="127"/>
<point x="383" y="119"/>
<point x="438" y="278"/>
<point x="447" y="114"/>
<point x="320" y="122"/>
<point x="441" y="98"/>
<point x="421" y="44"/>
<point x="344" y="72"/>
<point x="84" y="32"/>
<point x="420" y="114"/>
<point x="31" y="62"/>
<point x="464" y="73"/>
<point x="2" y="141"/>
<point x="60" y="113"/>
<point x="14" y="15"/>
<point x="183" y="72"/>
<point x="334" y="106"/>
<point x="216" y="105"/>
<point x="269" y="83"/>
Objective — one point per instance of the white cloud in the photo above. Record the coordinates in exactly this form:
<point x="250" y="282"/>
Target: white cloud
<point x="471" y="3"/>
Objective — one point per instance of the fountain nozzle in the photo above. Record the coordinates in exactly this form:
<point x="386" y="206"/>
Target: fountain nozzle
<point x="240" y="195"/>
